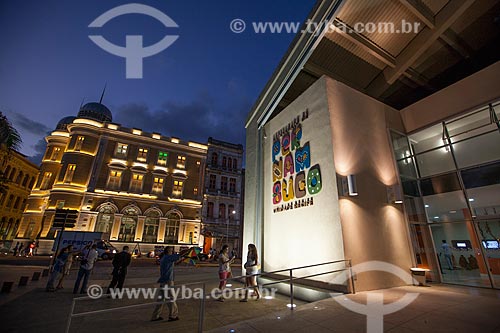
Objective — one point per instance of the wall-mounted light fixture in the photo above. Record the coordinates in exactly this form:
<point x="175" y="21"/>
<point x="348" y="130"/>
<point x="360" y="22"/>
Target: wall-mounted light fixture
<point x="394" y="194"/>
<point x="348" y="186"/>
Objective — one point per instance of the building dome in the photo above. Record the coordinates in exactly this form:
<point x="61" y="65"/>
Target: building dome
<point x="95" y="111"/>
<point x="63" y="123"/>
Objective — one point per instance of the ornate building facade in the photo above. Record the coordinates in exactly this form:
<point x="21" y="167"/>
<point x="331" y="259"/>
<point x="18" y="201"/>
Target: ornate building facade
<point x="222" y="202"/>
<point x="139" y="187"/>
<point x="19" y="176"/>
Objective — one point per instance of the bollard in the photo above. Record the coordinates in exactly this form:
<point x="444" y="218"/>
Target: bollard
<point x="23" y="281"/>
<point x="36" y="276"/>
<point x="7" y="287"/>
<point x="45" y="272"/>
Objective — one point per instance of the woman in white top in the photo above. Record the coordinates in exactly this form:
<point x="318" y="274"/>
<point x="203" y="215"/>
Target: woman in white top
<point x="251" y="267"/>
<point x="224" y="269"/>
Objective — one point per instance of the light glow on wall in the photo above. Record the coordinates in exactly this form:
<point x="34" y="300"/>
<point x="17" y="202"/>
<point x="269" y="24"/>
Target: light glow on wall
<point x="118" y="161"/>
<point x="59" y="133"/>
<point x="136" y="131"/>
<point x="186" y="201"/>
<point x="127" y="194"/>
<point x="156" y="136"/>
<point x="174" y="140"/>
<point x="113" y="126"/>
<point x="197" y="145"/>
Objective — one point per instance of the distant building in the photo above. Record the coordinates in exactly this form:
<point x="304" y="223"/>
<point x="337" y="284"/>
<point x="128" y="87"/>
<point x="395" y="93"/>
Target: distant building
<point x="139" y="187"/>
<point x="19" y="176"/>
<point x="222" y="203"/>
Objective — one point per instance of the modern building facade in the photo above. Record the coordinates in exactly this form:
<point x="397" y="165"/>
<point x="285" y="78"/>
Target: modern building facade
<point x="139" y="187"/>
<point x="19" y="176"/>
<point x="381" y="146"/>
<point x="222" y="202"/>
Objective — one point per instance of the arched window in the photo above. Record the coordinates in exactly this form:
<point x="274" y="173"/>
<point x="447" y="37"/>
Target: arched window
<point x="235" y="164"/>
<point x="210" y="209"/>
<point x="128" y="225"/>
<point x="12" y="174"/>
<point x="151" y="224"/>
<point x="25" y="180"/>
<point x="19" y="178"/>
<point x="9" y="202"/>
<point x="6" y="172"/>
<point x="105" y="219"/>
<point x="16" y="203"/>
<point x="214" y="159"/>
<point x="3" y="227"/>
<point x="222" y="211"/>
<point x="32" y="182"/>
<point x="172" y="228"/>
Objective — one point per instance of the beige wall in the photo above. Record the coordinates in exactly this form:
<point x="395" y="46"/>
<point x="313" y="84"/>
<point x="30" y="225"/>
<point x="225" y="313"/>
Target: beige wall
<point x="372" y="228"/>
<point x="471" y="92"/>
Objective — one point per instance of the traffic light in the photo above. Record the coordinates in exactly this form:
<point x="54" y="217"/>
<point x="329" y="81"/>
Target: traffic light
<point x="65" y="218"/>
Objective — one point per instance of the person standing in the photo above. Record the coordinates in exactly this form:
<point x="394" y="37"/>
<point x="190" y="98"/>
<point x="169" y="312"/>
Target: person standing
<point x="447" y="254"/>
<point x="167" y="262"/>
<point x="224" y="269"/>
<point x="86" y="266"/>
<point x="120" y="264"/>
<point x="21" y="249"/>
<point x="67" y="267"/>
<point x="252" y="268"/>
<point x="58" y="268"/>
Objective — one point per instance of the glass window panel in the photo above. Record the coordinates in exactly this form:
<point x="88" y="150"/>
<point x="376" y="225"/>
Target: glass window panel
<point x="481" y="149"/>
<point x="410" y="187"/>
<point x="440" y="184"/>
<point x="446" y="207"/>
<point x="415" y="210"/>
<point x="481" y="176"/>
<point x="458" y="254"/>
<point x="427" y="139"/>
<point x="485" y="202"/>
<point x="435" y="162"/>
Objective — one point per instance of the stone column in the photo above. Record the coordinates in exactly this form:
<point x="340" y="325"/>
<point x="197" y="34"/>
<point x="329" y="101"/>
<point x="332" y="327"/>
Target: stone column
<point x="139" y="229"/>
<point x="115" y="230"/>
<point x="161" y="230"/>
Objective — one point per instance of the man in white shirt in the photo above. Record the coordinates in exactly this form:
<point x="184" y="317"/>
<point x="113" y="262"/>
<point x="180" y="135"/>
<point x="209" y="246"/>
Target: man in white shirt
<point x="86" y="266"/>
<point x="447" y="254"/>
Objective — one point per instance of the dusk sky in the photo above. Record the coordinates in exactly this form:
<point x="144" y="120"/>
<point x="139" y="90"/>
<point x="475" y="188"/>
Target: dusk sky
<point x="203" y="85"/>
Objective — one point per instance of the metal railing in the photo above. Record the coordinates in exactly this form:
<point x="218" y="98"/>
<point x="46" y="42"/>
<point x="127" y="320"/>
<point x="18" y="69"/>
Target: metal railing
<point x="201" y="314"/>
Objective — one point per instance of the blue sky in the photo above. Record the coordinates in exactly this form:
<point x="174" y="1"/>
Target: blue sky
<point x="202" y="85"/>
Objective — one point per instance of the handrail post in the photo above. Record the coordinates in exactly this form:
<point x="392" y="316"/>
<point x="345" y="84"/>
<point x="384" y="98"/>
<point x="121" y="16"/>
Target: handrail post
<point x="353" y="290"/>
<point x="202" y="310"/>
<point x="291" y="289"/>
<point x="68" y="325"/>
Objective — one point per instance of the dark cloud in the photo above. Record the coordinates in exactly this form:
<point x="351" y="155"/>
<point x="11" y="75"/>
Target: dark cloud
<point x="196" y="121"/>
<point x="39" y="148"/>
<point x="29" y="125"/>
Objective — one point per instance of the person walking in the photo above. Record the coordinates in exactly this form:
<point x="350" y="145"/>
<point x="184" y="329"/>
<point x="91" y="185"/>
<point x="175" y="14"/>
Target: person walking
<point x="16" y="248"/>
<point x="86" y="266"/>
<point x="120" y="264"/>
<point x="224" y="269"/>
<point x="252" y="268"/>
<point x="21" y="249"/>
<point x="447" y="254"/>
<point x="167" y="262"/>
<point x="67" y="267"/>
<point x="58" y="268"/>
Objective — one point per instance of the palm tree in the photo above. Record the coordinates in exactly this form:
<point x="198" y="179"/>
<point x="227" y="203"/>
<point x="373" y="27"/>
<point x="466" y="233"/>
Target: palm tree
<point x="9" y="140"/>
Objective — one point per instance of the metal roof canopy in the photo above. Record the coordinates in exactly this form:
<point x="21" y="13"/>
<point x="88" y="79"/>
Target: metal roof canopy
<point x="455" y="39"/>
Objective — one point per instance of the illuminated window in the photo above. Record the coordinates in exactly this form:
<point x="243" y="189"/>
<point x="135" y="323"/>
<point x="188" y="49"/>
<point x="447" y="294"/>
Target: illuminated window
<point x="143" y="154"/>
<point x="223" y="183"/>
<point x="136" y="182"/>
<point x="46" y="180"/>
<point x="212" y="182"/>
<point x="198" y="163"/>
<point x="232" y="185"/>
<point x="158" y="184"/>
<point x="79" y="143"/>
<point x="162" y="158"/>
<point x="181" y="161"/>
<point x="70" y="171"/>
<point x="195" y="191"/>
<point x="121" y="150"/>
<point x="114" y="179"/>
<point x="56" y="152"/>
<point x="177" y="190"/>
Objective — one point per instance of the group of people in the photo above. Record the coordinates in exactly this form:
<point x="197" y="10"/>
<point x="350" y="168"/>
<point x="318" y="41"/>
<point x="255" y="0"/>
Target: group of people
<point x="28" y="251"/>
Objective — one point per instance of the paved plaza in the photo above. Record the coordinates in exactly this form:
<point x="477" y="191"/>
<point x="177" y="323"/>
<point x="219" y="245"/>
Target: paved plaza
<point x="439" y="308"/>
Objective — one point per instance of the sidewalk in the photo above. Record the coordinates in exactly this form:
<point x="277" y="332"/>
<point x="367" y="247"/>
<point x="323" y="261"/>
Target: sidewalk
<point x="440" y="308"/>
